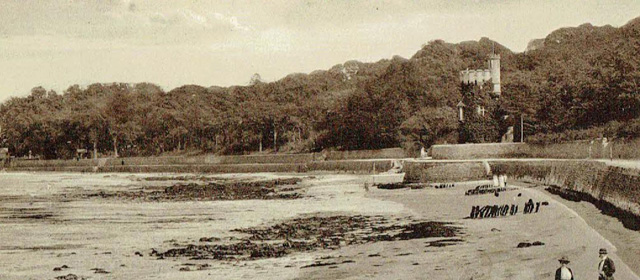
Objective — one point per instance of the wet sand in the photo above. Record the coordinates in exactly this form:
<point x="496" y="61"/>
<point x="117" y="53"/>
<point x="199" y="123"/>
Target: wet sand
<point x="84" y="234"/>
<point x="40" y="233"/>
<point x="489" y="251"/>
<point x="626" y="241"/>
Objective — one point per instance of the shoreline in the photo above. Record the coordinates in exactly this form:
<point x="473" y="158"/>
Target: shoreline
<point x="490" y="249"/>
<point x="486" y="248"/>
<point x="626" y="241"/>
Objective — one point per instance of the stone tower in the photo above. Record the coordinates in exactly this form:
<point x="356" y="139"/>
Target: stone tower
<point x="494" y="67"/>
<point x="480" y="117"/>
<point x="480" y="76"/>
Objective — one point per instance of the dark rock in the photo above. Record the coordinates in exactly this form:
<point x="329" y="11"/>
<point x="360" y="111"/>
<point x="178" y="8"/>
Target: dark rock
<point x="267" y="189"/>
<point x="309" y="233"/>
<point x="527" y="244"/>
<point x="319" y="264"/>
<point x="391" y="186"/>
<point x="209" y="239"/>
<point x="69" y="277"/>
<point x="443" y="243"/>
<point x="100" y="271"/>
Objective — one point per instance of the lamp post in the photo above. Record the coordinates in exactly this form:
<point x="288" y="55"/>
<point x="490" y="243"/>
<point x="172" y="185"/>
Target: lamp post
<point x="521" y="128"/>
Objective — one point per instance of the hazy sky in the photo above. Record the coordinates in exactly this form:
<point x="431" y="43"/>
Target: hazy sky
<point x="57" y="43"/>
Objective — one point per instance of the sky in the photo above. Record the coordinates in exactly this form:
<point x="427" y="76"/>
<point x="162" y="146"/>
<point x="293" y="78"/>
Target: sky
<point x="59" y="43"/>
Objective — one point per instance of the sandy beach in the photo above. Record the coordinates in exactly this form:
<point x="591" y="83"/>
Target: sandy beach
<point x="45" y="226"/>
<point x="489" y="251"/>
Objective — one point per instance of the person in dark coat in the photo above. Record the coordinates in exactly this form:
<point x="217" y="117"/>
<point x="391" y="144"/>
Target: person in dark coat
<point x="564" y="272"/>
<point x="606" y="268"/>
<point x="528" y="207"/>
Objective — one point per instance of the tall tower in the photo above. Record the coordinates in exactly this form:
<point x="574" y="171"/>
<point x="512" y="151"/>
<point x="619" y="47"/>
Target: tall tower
<point x="479" y="110"/>
<point x="494" y="67"/>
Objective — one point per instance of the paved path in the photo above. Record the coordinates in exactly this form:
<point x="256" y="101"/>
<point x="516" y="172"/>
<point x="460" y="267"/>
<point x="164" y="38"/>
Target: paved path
<point x="616" y="162"/>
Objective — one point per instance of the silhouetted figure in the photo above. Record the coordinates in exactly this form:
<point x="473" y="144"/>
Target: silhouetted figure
<point x="606" y="268"/>
<point x="514" y="209"/>
<point x="564" y="272"/>
<point x="528" y="207"/>
<point x="495" y="211"/>
<point x="475" y="212"/>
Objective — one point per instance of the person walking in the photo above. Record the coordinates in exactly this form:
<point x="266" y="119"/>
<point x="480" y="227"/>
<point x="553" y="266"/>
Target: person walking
<point x="606" y="268"/>
<point x="564" y="272"/>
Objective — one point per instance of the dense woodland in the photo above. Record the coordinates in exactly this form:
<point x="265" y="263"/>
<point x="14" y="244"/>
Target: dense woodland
<point x="577" y="83"/>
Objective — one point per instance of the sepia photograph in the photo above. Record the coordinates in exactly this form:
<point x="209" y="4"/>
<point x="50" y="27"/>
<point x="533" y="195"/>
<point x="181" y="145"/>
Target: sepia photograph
<point x="320" y="139"/>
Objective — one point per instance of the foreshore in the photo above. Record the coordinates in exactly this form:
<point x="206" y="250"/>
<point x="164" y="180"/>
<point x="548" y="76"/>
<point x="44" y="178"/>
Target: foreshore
<point x="490" y="250"/>
<point x="81" y="222"/>
<point x="626" y="241"/>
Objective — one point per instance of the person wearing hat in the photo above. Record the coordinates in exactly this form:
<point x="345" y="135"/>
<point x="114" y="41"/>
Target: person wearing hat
<point x="564" y="272"/>
<point x="606" y="268"/>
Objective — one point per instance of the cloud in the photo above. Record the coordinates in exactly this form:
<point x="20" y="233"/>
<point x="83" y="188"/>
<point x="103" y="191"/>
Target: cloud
<point x="186" y="17"/>
<point x="195" y="18"/>
<point x="231" y="20"/>
<point x="135" y="22"/>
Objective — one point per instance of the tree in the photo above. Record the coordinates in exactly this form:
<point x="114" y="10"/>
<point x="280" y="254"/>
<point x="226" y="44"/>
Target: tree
<point x="120" y="115"/>
<point x="428" y="126"/>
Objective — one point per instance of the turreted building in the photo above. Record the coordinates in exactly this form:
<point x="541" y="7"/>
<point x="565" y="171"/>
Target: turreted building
<point x="481" y="119"/>
<point x="481" y="76"/>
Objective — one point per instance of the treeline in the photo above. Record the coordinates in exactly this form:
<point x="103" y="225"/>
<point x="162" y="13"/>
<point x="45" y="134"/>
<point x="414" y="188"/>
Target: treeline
<point x="578" y="79"/>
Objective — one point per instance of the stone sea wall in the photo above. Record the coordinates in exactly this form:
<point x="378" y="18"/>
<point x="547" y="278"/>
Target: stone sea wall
<point x="615" y="190"/>
<point x="604" y="185"/>
<point x="619" y="149"/>
<point x="438" y="172"/>
<point x="480" y="151"/>
<point x="326" y="160"/>
<point x="155" y="165"/>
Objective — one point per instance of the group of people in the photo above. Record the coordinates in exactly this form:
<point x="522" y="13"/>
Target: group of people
<point x="606" y="268"/>
<point x="529" y="207"/>
<point x="493" y="211"/>
<point x="483" y="189"/>
<point x="443" y="186"/>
